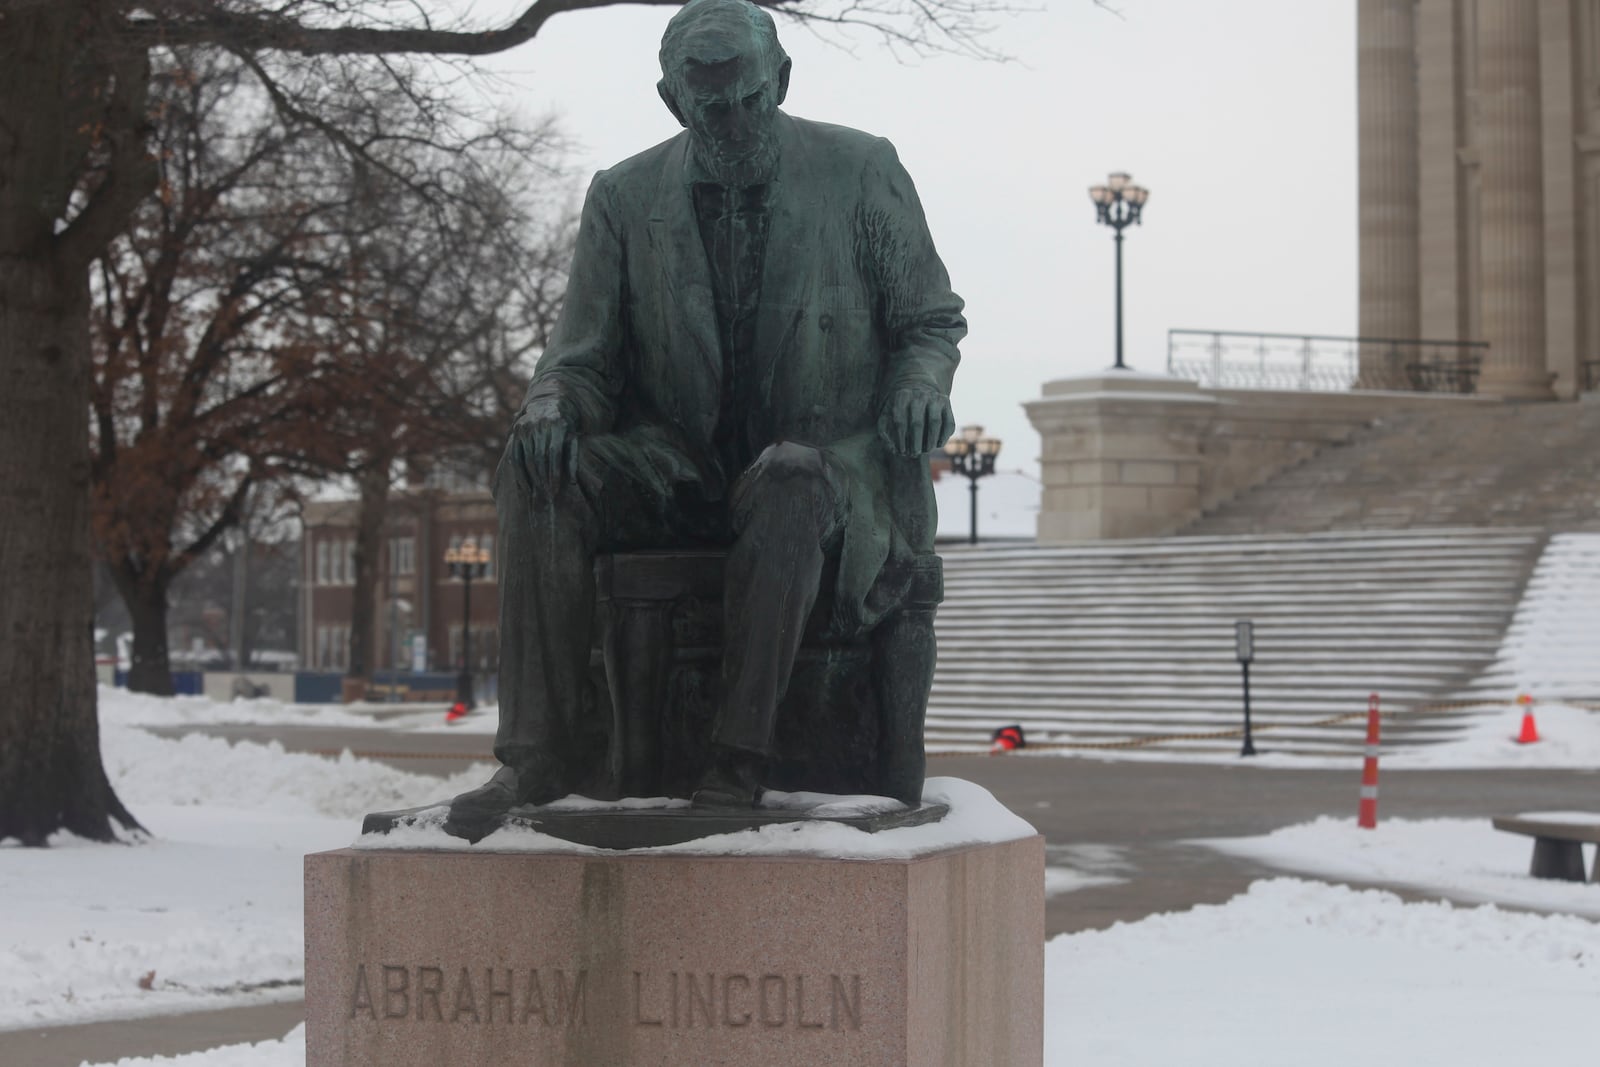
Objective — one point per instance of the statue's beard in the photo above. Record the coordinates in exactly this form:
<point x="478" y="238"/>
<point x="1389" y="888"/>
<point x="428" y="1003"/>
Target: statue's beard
<point x="756" y="166"/>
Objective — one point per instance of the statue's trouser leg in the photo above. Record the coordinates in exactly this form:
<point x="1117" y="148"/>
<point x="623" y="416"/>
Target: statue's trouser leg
<point x="547" y="549"/>
<point x="549" y="538"/>
<point x="787" y="511"/>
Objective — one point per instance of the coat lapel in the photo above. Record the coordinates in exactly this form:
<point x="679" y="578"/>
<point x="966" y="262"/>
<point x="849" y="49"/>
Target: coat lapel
<point x="687" y="307"/>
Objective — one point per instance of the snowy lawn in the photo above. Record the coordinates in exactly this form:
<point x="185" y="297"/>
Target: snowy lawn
<point x="208" y="912"/>
<point x="1466" y="859"/>
<point x="1290" y="972"/>
<point x="1311" y="975"/>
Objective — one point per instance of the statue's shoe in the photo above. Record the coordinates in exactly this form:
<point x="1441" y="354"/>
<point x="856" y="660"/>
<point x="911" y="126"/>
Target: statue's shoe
<point x="509" y="788"/>
<point x="731" y="783"/>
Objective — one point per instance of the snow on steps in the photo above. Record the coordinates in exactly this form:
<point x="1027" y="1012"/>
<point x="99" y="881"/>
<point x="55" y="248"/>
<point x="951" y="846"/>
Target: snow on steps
<point x="1134" y="639"/>
<point x="1552" y="649"/>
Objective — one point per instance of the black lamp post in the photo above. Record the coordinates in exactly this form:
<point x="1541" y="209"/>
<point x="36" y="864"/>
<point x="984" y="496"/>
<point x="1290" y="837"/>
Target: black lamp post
<point x="1119" y="203"/>
<point x="973" y="454"/>
<point x="1244" y="642"/>
<point x="468" y="561"/>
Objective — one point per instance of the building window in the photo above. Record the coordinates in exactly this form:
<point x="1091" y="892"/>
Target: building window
<point x="402" y="555"/>
<point x="486" y="542"/>
<point x="322" y="562"/>
<point x="322" y="657"/>
<point x="349" y="563"/>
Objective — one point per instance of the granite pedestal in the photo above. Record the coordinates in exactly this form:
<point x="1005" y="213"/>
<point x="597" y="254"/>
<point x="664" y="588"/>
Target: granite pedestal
<point x="477" y="959"/>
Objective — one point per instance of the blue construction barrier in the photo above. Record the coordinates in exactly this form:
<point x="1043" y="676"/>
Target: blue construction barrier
<point x="184" y="683"/>
<point x="318" y="688"/>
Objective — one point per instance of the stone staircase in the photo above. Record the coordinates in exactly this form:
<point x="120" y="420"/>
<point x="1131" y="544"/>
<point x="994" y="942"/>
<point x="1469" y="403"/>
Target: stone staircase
<point x="1135" y="639"/>
<point x="1469" y="465"/>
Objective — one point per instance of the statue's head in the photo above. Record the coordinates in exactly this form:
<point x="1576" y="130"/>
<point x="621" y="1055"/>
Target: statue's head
<point x="723" y="75"/>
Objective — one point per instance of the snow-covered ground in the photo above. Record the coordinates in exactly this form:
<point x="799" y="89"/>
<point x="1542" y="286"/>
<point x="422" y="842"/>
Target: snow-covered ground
<point x="1465" y="858"/>
<point x="1290" y="972"/>
<point x="208" y="913"/>
<point x="1312" y="975"/>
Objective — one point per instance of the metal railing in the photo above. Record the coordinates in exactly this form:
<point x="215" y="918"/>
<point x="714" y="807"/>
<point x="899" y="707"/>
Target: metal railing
<point x="1227" y="359"/>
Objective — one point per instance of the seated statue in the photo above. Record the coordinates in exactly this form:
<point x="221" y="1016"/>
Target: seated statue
<point x="755" y="355"/>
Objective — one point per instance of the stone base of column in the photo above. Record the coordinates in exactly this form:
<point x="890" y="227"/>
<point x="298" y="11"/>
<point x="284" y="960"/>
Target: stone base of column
<point x="1514" y="383"/>
<point x="1122" y="455"/>
<point x="463" y="959"/>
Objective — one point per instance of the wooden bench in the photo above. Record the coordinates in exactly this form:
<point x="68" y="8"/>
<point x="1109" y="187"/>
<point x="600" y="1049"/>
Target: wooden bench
<point x="1558" y="840"/>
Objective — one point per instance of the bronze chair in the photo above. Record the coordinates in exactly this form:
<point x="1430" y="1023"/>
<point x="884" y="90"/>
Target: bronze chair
<point x="850" y="721"/>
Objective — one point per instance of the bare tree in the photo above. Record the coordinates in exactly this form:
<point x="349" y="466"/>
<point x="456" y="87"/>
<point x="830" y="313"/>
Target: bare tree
<point x="196" y="392"/>
<point x="75" y="162"/>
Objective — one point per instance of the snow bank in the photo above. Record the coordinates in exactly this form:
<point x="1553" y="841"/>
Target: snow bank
<point x="118" y="707"/>
<point x="1322" y="976"/>
<point x="1466" y="859"/>
<point x="201" y="770"/>
<point x="207" y="911"/>
<point x="1569" y="738"/>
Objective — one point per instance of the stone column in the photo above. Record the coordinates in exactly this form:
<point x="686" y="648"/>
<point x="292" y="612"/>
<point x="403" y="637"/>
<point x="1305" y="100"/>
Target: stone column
<point x="1512" y="213"/>
<point x="1559" y="28"/>
<point x="1386" y="78"/>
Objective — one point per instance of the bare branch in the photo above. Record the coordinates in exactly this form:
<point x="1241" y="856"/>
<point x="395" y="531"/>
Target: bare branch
<point x="916" y="27"/>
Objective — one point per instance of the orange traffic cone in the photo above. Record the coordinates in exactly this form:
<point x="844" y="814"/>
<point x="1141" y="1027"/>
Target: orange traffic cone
<point x="1530" y="731"/>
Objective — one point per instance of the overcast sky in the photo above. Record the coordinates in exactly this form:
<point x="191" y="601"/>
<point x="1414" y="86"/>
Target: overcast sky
<point x="1238" y="115"/>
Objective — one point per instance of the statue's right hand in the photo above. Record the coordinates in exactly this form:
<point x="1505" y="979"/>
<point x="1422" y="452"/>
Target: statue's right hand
<point x="546" y="441"/>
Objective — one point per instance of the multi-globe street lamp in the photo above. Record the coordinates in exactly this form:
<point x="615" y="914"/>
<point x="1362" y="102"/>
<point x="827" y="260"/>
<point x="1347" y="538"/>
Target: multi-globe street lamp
<point x="1119" y="204"/>
<point x="973" y="455"/>
<point x="467" y="561"/>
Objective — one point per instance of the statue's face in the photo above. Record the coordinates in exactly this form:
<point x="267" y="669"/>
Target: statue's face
<point x="730" y="108"/>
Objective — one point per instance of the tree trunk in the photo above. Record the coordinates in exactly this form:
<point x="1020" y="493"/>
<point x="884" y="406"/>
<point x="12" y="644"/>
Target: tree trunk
<point x="151" y="668"/>
<point x="51" y="776"/>
<point x="374" y="509"/>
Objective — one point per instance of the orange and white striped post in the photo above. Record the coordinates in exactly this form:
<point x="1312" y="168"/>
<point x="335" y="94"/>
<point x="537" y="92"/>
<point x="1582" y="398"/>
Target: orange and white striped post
<point x="1367" y="817"/>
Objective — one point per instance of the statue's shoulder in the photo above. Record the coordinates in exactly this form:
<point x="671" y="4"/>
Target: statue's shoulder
<point x="638" y="174"/>
<point x="840" y="142"/>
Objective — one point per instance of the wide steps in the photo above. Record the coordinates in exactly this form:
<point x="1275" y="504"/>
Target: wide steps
<point x="1133" y="641"/>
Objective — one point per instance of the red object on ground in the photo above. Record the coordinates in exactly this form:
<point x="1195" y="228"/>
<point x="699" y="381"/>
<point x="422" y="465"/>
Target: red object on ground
<point x="1530" y="729"/>
<point x="457" y="710"/>
<point x="1367" y="815"/>
<point x="1007" y="739"/>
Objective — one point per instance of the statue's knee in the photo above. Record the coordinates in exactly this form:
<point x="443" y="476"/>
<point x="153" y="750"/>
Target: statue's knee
<point x="788" y="482"/>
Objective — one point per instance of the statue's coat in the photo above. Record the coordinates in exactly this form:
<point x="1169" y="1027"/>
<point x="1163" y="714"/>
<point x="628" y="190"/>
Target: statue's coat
<point x="855" y="304"/>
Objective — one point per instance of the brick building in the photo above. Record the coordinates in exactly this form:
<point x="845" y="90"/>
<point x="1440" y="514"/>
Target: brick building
<point x="415" y="594"/>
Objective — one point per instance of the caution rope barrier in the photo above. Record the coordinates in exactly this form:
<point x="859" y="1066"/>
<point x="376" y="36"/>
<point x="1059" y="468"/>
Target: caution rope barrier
<point x="1440" y="707"/>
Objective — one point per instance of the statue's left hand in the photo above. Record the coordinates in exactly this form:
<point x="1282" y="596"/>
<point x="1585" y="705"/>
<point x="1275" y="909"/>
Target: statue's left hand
<point x="915" y="421"/>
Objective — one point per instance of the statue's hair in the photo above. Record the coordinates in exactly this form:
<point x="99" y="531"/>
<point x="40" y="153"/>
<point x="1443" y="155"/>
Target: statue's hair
<point x="728" y="14"/>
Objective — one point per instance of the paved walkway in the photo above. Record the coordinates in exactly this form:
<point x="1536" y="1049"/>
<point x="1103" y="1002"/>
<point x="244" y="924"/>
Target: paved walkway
<point x="1139" y="813"/>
